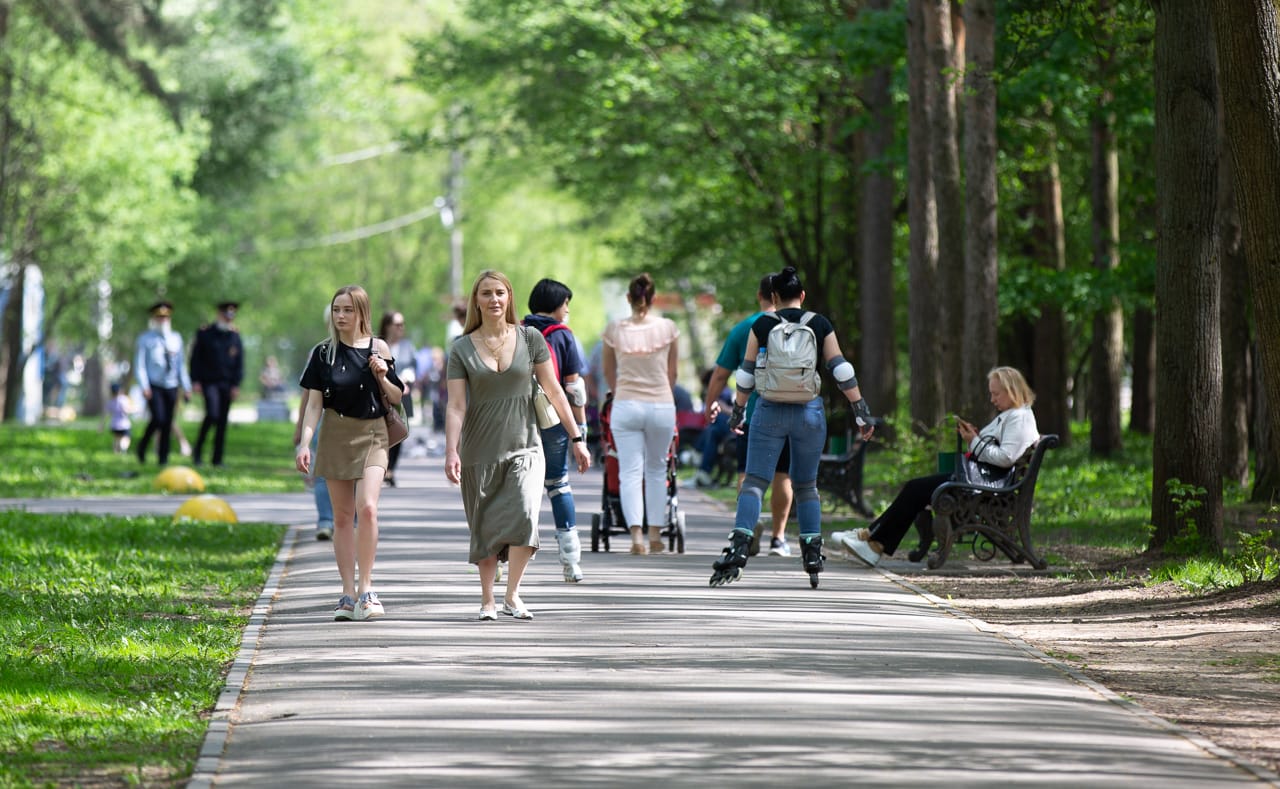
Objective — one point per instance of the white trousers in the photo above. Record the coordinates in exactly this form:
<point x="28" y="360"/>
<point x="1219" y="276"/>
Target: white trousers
<point x="642" y="432"/>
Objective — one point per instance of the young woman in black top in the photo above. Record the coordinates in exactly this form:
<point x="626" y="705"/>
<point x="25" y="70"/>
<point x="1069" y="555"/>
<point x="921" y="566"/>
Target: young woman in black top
<point x="349" y="375"/>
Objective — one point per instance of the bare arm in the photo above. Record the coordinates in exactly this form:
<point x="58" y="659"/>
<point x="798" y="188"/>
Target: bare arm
<point x="609" y="359"/>
<point x="546" y="374"/>
<point x="309" y="417"/>
<point x="673" y="363"/>
<point x="454" y="414"/>
<point x="715" y="385"/>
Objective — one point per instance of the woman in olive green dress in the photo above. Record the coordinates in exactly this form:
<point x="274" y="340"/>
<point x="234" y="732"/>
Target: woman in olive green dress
<point x="492" y="443"/>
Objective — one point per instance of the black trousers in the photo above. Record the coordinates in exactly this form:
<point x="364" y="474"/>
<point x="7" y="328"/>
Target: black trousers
<point x="217" y="410"/>
<point x="893" y="523"/>
<point x="161" y="406"/>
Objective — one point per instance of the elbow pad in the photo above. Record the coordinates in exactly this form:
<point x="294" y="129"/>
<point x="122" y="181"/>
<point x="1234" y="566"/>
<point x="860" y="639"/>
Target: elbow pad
<point x="842" y="371"/>
<point x="576" y="391"/>
<point x="746" y="376"/>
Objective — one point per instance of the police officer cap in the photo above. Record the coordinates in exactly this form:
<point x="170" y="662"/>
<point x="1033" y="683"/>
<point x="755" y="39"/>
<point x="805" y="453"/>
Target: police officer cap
<point x="228" y="305"/>
<point x="161" y="309"/>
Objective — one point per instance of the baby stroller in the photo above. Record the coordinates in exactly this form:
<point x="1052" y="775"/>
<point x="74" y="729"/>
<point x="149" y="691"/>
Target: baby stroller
<point x="609" y="522"/>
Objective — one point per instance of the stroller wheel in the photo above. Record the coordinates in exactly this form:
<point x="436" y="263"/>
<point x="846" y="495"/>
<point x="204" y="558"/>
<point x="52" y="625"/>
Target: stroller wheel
<point x="677" y="537"/>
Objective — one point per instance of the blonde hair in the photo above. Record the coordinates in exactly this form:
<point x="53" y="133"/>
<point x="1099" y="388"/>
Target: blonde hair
<point x="1011" y="379"/>
<point x="473" y="311"/>
<point x="364" y="325"/>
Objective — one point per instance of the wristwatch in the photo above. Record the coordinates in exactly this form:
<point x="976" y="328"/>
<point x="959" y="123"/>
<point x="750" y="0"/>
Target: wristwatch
<point x="578" y="439"/>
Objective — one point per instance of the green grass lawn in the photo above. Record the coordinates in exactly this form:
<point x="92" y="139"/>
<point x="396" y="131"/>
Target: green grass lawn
<point x="76" y="460"/>
<point x="115" y="636"/>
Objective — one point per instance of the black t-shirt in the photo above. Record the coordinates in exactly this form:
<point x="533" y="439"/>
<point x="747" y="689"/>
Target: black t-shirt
<point x="765" y="323"/>
<point x="348" y="386"/>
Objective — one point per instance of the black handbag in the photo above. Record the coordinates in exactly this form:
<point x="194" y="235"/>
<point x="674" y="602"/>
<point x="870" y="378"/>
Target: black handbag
<point x="972" y="471"/>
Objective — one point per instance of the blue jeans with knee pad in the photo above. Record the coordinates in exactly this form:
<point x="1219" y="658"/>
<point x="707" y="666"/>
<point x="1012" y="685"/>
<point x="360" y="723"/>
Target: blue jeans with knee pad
<point x="771" y="425"/>
<point x="555" y="447"/>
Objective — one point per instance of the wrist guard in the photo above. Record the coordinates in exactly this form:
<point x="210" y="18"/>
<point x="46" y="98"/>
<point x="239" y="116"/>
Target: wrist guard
<point x="862" y="413"/>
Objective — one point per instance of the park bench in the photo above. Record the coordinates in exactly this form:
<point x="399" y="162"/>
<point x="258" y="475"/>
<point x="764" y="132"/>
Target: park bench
<point x="986" y="519"/>
<point x="840" y="474"/>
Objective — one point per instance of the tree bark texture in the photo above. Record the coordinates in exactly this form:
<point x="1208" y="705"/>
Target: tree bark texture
<point x="1188" y="441"/>
<point x="981" y="269"/>
<point x="1234" y="319"/>
<point x="1142" y="407"/>
<point x="1247" y="33"/>
<point x="1046" y="243"/>
<point x="923" y="326"/>
<point x="948" y="196"/>
<point x="1106" y="358"/>
<point x="877" y="358"/>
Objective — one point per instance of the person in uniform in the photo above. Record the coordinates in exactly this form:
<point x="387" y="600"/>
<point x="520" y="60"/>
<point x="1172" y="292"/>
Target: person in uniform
<point x="217" y="368"/>
<point x="162" y="377"/>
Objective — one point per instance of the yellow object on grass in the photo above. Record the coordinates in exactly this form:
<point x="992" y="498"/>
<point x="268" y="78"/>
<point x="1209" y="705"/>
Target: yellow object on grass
<point x="179" y="479"/>
<point x="206" y="507"/>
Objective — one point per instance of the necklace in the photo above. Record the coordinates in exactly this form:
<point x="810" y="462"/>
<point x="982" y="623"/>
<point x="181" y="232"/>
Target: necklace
<point x="495" y="346"/>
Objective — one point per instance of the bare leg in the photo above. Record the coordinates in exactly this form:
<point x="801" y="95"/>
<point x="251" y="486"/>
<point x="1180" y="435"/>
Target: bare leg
<point x="367" y="535"/>
<point x="488" y="567"/>
<point x="517" y="560"/>
<point x="780" y="503"/>
<point x="342" y="495"/>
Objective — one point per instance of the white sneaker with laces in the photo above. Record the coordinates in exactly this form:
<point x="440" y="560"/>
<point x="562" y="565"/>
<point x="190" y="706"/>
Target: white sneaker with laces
<point x="779" y="548"/>
<point x="861" y="549"/>
<point x="367" y="607"/>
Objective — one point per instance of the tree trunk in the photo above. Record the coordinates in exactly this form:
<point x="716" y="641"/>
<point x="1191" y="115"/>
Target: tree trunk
<point x="1266" y="470"/>
<point x="12" y="358"/>
<point x="1106" y="357"/>
<point x="1046" y="243"/>
<point x="981" y="270"/>
<point x="1248" y="39"/>
<point x="877" y="358"/>
<point x="948" y="197"/>
<point x="1234" y="320"/>
<point x="1188" y="442"/>
<point x="923" y="326"/>
<point x="1142" y="409"/>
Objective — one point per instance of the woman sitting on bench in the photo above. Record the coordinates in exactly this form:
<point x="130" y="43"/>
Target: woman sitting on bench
<point x="1010" y="434"/>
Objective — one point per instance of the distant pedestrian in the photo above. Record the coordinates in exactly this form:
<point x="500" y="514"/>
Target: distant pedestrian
<point x="217" y="370"/>
<point x="119" y="418"/>
<point x="162" y="377"/>
<point x="639" y="359"/>
<point x="549" y="316"/>
<point x="391" y="330"/>
<point x="492" y="444"/>
<point x="349" y="375"/>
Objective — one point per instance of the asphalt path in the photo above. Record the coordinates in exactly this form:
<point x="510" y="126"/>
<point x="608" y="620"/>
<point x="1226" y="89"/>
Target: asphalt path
<point x="643" y="675"/>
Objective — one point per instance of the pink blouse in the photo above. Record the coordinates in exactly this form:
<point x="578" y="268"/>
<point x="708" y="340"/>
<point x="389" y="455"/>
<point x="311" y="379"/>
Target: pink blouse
<point x="641" y="347"/>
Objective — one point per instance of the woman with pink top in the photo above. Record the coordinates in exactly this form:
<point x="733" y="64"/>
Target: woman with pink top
<point x="639" y="357"/>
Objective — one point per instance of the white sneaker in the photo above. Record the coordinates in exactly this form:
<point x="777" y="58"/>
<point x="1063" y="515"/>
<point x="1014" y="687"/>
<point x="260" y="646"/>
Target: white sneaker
<point x="367" y="607"/>
<point x="862" y="549"/>
<point x="779" y="548"/>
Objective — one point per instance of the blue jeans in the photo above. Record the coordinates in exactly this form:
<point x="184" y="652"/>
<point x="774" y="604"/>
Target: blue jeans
<point x="710" y="440"/>
<point x="805" y="424"/>
<point x="555" y="447"/>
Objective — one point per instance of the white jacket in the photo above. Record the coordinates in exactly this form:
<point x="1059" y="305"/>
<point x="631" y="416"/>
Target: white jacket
<point x="1014" y="430"/>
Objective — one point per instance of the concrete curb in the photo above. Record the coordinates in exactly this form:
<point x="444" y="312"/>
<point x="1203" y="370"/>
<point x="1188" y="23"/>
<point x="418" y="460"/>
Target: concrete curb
<point x="215" y="739"/>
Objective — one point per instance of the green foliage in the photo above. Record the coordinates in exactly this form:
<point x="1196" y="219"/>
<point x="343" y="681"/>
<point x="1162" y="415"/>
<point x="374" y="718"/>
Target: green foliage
<point x="1255" y="559"/>
<point x="137" y="621"/>
<point x="1187" y="499"/>
<point x="43" y="462"/>
<point x="1198" y="574"/>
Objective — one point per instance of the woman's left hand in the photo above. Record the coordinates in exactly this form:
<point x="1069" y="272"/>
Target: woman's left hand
<point x="378" y="366"/>
<point x="583" y="456"/>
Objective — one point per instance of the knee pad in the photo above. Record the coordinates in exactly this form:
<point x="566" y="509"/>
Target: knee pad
<point x="754" y="486"/>
<point x="807" y="492"/>
<point x="557" y="487"/>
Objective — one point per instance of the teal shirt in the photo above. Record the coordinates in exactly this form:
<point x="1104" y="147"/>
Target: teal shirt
<point x="735" y="350"/>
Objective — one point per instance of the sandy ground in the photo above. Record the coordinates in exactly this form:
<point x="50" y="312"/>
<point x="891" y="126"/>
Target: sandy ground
<point x="1210" y="663"/>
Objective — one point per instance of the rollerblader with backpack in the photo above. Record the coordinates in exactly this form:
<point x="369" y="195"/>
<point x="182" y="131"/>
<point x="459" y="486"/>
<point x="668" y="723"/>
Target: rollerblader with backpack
<point x="785" y="351"/>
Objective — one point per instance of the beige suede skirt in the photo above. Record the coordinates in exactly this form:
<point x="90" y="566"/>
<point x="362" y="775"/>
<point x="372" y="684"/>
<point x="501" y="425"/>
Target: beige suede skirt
<point x="348" y="446"/>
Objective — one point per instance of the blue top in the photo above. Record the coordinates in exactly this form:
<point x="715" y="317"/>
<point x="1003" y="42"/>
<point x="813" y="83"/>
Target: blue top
<point x="735" y="350"/>
<point x="158" y="361"/>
